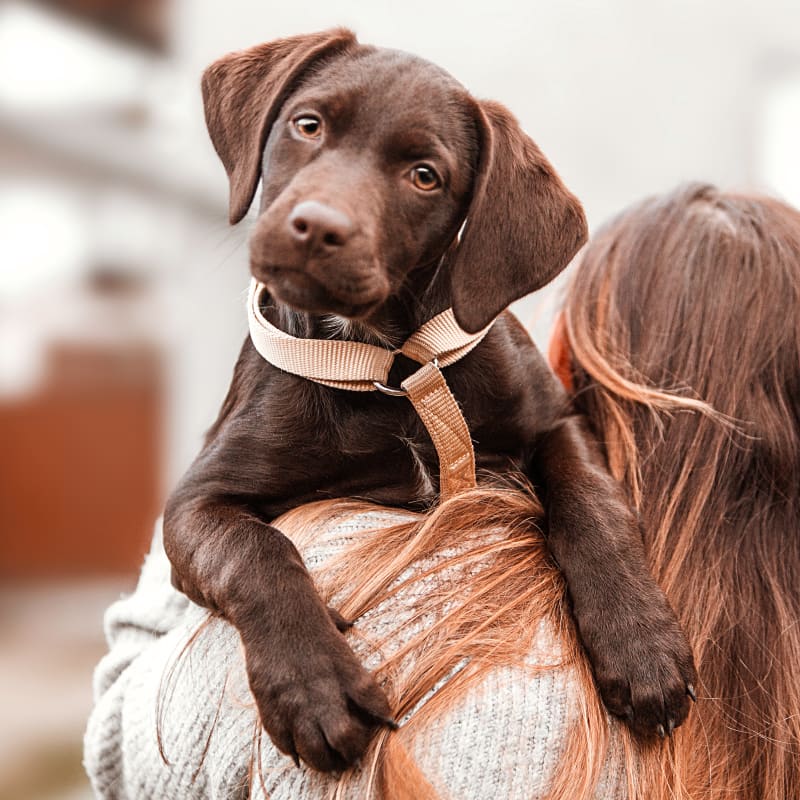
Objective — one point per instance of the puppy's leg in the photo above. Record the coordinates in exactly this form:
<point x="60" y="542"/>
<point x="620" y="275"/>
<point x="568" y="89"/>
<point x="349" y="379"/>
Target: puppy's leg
<point x="314" y="698"/>
<point x="642" y="661"/>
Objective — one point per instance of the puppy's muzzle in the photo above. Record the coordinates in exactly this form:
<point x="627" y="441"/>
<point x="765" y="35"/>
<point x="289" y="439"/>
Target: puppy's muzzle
<point x="320" y="228"/>
<point x="316" y="258"/>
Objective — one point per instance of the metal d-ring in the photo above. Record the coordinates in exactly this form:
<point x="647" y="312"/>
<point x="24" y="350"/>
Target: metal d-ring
<point x="395" y="392"/>
<point x="390" y="390"/>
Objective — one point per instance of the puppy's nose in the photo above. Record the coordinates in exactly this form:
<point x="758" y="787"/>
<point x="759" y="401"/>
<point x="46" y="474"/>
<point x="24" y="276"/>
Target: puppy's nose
<point x="319" y="226"/>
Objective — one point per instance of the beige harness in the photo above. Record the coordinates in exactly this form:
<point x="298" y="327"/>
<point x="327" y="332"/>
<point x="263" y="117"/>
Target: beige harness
<point x="362" y="367"/>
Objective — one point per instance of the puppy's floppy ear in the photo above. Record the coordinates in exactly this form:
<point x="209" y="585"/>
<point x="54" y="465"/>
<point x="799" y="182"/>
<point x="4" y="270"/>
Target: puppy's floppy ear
<point x="243" y="94"/>
<point x="523" y="225"/>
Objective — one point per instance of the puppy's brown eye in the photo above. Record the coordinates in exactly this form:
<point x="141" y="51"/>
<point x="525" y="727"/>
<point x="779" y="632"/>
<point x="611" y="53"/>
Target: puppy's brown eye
<point x="308" y="126"/>
<point x="425" y="178"/>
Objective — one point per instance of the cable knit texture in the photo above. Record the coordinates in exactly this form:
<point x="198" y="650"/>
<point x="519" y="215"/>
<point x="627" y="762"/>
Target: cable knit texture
<point x="504" y="738"/>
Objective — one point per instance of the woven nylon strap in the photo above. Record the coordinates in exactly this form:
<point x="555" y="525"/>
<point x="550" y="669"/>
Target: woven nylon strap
<point x="364" y="367"/>
<point x="438" y="410"/>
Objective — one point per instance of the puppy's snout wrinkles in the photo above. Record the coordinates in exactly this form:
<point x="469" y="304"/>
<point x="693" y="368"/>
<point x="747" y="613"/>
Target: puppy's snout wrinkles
<point x="319" y="227"/>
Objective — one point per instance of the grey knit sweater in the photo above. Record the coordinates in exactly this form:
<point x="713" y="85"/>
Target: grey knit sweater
<point x="503" y="740"/>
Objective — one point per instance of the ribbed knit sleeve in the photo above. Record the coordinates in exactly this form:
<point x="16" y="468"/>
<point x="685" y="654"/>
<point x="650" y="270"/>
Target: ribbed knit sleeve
<point x="173" y="721"/>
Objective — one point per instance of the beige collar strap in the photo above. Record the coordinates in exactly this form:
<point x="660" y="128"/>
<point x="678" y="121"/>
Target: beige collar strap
<point x="437" y="408"/>
<point x="360" y="367"/>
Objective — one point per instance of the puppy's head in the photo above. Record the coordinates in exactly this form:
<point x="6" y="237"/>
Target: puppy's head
<point x="370" y="161"/>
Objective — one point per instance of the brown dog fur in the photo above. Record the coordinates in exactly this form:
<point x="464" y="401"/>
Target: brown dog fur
<point x="377" y="257"/>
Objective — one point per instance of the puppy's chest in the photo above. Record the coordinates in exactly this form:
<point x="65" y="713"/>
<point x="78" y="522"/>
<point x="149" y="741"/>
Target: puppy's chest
<point x="384" y="446"/>
<point x="387" y="454"/>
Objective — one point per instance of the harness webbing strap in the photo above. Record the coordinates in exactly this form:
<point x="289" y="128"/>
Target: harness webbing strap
<point x="438" y="410"/>
<point x="343" y="365"/>
<point x="361" y="367"/>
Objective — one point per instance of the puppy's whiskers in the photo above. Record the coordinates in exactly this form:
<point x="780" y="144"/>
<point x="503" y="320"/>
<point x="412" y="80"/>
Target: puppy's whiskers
<point x="332" y="326"/>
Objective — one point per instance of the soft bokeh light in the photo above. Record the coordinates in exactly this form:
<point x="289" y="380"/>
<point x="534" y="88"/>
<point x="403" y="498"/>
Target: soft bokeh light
<point x="44" y="237"/>
<point x="79" y="68"/>
<point x="780" y="128"/>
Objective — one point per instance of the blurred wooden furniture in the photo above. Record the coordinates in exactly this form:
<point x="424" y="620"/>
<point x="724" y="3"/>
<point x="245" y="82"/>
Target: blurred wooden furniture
<point x="80" y="462"/>
<point x="143" y="22"/>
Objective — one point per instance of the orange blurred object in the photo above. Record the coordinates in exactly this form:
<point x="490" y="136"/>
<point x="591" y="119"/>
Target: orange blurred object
<point x="144" y="22"/>
<point x="80" y="467"/>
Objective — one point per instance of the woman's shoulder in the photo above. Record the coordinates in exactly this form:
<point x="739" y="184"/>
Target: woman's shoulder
<point x="173" y="715"/>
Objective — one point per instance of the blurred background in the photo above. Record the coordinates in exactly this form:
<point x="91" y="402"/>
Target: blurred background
<point x="121" y="284"/>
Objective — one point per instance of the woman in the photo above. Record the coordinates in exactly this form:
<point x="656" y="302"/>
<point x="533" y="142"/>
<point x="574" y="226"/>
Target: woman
<point x="698" y="295"/>
<point x="680" y="337"/>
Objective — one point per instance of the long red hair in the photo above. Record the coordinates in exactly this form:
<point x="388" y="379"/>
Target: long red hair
<point x="687" y="303"/>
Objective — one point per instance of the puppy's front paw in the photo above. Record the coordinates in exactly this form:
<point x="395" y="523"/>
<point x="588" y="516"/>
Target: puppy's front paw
<point x="644" y="668"/>
<point x="315" y="700"/>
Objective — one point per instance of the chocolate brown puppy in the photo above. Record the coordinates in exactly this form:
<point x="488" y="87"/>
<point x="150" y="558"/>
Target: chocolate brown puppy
<point x="388" y="195"/>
